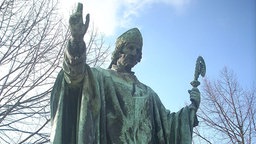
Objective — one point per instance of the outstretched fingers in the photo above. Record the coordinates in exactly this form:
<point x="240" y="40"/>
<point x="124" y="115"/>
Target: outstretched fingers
<point x="79" y="8"/>
<point x="87" y="21"/>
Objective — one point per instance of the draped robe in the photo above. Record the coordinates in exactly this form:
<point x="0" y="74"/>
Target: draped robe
<point x="109" y="107"/>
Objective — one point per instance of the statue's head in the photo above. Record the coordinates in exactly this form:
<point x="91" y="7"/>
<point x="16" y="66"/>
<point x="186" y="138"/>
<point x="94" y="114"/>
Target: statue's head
<point x="128" y="51"/>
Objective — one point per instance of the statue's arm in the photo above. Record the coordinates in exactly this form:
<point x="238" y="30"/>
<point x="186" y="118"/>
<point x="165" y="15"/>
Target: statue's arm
<point x="195" y="98"/>
<point x="75" y="52"/>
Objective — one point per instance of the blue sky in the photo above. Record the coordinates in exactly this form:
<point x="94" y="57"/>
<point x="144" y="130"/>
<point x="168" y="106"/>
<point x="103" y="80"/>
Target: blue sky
<point x="175" y="33"/>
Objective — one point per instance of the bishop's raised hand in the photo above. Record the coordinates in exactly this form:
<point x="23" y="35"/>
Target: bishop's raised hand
<point x="77" y="27"/>
<point x="76" y="47"/>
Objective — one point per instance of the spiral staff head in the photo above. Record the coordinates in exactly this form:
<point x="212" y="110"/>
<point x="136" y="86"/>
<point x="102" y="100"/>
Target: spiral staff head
<point x="200" y="69"/>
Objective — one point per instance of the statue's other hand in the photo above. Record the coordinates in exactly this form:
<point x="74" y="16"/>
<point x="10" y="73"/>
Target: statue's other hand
<point x="77" y="27"/>
<point x="195" y="96"/>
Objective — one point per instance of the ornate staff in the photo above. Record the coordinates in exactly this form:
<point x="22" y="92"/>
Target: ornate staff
<point x="200" y="69"/>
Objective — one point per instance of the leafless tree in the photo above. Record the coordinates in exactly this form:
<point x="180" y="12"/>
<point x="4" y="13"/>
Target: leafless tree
<point x="227" y="111"/>
<point x="97" y="51"/>
<point x="32" y="39"/>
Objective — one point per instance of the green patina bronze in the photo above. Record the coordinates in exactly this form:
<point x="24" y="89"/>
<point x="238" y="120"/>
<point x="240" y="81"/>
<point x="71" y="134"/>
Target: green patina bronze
<point x="111" y="106"/>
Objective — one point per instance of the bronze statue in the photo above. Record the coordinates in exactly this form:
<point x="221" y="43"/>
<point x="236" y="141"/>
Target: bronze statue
<point x="111" y="106"/>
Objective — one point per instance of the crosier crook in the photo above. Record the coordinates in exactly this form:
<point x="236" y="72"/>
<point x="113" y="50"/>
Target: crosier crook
<point x="200" y="69"/>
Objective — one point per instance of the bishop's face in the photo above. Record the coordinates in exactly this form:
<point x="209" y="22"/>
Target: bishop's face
<point x="129" y="56"/>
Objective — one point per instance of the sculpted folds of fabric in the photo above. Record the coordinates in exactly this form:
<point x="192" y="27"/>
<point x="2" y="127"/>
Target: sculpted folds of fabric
<point x="112" y="107"/>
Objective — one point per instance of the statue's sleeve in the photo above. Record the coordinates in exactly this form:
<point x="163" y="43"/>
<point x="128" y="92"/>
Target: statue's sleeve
<point x="74" y="65"/>
<point x="175" y="127"/>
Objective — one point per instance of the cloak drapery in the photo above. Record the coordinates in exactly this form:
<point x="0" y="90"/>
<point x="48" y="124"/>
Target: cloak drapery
<point x="109" y="107"/>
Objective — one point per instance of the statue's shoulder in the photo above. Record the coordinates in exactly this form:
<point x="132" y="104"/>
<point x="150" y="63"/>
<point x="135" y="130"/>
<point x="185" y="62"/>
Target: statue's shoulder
<point x="101" y="71"/>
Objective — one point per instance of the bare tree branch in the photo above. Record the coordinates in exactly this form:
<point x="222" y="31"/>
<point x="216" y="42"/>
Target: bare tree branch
<point x="228" y="110"/>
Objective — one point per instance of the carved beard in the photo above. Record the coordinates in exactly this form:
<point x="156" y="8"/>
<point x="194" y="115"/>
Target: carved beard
<point x="126" y="61"/>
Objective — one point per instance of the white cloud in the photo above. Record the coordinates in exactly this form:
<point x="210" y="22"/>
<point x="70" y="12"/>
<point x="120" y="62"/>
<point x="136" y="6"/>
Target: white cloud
<point x="107" y="15"/>
<point x="178" y="5"/>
